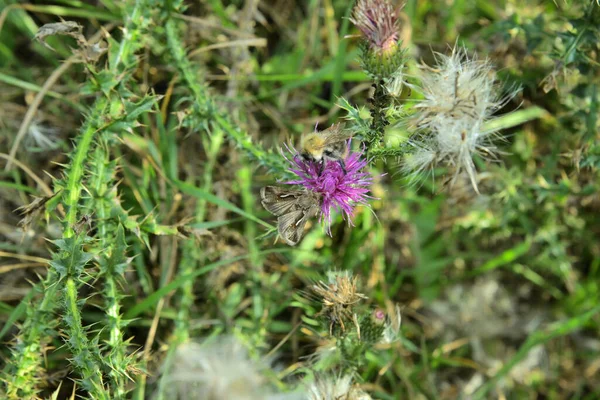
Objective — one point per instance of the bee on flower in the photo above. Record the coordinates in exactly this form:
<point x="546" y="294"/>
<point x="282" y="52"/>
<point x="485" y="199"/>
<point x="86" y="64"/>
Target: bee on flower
<point x="326" y="184"/>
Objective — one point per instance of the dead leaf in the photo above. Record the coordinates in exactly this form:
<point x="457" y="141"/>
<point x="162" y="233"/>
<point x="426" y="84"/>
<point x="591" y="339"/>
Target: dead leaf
<point x="31" y="210"/>
<point x="68" y="28"/>
<point x="92" y="52"/>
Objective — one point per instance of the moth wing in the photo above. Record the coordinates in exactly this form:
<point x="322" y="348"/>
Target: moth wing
<point x="312" y="211"/>
<point x="291" y="226"/>
<point x="279" y="201"/>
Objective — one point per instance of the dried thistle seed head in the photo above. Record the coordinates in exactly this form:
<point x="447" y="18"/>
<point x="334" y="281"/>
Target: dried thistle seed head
<point x="340" y="289"/>
<point x="339" y="297"/>
<point x="460" y="95"/>
<point x="220" y="369"/>
<point x="334" y="387"/>
<point x="460" y="86"/>
<point x="392" y="323"/>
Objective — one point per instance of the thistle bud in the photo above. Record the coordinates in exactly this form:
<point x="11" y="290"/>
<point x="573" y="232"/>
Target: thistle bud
<point x="378" y="22"/>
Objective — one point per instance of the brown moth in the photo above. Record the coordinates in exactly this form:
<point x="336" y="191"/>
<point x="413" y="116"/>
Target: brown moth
<point x="293" y="209"/>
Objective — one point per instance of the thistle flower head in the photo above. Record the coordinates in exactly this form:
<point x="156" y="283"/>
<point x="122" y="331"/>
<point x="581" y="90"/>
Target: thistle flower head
<point x="339" y="297"/>
<point x="460" y="95"/>
<point x="342" y="185"/>
<point x="340" y="289"/>
<point x="331" y="387"/>
<point x="381" y="56"/>
<point x="378" y="22"/>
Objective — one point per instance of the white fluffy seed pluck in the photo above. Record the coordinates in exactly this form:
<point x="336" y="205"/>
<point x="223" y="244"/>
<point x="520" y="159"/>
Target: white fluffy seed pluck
<point x="460" y="95"/>
<point x="331" y="387"/>
<point x="391" y="332"/>
<point x="216" y="370"/>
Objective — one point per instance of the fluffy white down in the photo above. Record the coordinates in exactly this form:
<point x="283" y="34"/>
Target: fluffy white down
<point x="460" y="95"/>
<point x="217" y="370"/>
<point x="331" y="387"/>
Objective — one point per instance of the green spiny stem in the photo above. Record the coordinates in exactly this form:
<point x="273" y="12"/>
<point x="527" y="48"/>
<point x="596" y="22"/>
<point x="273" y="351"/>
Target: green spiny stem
<point x="84" y="355"/>
<point x="112" y="259"/>
<point x="26" y="365"/>
<point x="379" y="121"/>
<point x="74" y="184"/>
<point x="99" y="182"/>
<point x="387" y="152"/>
<point x="205" y="109"/>
<point x="37" y="323"/>
<point x="27" y="356"/>
<point x="114" y="266"/>
<point x="130" y="40"/>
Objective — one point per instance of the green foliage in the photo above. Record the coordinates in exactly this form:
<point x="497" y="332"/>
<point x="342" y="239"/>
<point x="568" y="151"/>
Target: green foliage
<point x="153" y="234"/>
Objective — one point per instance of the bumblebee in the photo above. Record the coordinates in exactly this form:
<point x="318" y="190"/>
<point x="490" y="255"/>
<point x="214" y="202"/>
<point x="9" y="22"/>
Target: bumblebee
<point x="328" y="145"/>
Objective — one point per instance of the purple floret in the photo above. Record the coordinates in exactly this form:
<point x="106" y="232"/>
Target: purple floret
<point x="341" y="188"/>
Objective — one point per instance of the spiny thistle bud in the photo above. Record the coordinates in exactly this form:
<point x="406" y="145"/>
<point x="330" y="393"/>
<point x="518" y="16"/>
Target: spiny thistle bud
<point x="339" y="296"/>
<point x="372" y="327"/>
<point x="378" y="21"/>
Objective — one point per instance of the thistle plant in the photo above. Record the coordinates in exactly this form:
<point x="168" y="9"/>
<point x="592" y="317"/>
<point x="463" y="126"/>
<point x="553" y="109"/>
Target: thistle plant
<point x="353" y="325"/>
<point x="454" y="120"/>
<point x="114" y="310"/>
<point x="383" y="58"/>
<point x="90" y="170"/>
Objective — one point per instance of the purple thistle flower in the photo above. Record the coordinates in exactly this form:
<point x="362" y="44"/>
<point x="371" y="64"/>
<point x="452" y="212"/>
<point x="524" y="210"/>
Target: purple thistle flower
<point x="341" y="187"/>
<point x="378" y="22"/>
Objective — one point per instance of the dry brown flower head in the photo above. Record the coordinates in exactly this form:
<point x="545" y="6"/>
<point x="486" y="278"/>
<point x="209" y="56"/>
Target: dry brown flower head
<point x="338" y="297"/>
